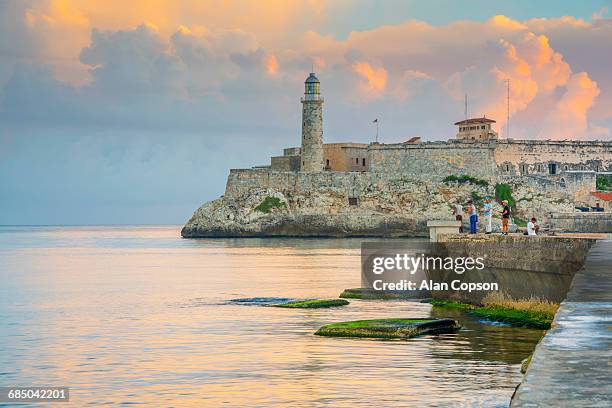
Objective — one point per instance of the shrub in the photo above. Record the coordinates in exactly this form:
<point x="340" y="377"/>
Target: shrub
<point x="464" y="178"/>
<point x="269" y="203"/>
<point x="503" y="192"/>
<point x="604" y="183"/>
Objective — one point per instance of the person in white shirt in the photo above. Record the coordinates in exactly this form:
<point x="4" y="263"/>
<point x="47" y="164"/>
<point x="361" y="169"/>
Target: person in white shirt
<point x="532" y="227"/>
<point x="488" y="213"/>
<point x="458" y="212"/>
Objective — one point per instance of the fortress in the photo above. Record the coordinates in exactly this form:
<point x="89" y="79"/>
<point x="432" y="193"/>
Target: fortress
<point x="356" y="189"/>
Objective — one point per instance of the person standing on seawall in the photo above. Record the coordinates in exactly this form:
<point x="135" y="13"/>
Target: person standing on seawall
<point x="473" y="217"/>
<point x="488" y="213"/>
<point x="458" y="212"/>
<point x="505" y="217"/>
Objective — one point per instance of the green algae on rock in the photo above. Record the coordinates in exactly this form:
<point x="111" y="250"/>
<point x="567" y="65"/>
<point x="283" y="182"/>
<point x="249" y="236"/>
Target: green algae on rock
<point x="525" y="364"/>
<point x="389" y="328"/>
<point x="512" y="316"/>
<point x="313" y="303"/>
<point x="450" y="304"/>
<point x="371" y="294"/>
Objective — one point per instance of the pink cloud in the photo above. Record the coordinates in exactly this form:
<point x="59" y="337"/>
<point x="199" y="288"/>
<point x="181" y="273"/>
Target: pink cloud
<point x="568" y="119"/>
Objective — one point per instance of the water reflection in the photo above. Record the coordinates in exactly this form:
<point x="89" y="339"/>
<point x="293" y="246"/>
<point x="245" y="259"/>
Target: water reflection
<point x="138" y="315"/>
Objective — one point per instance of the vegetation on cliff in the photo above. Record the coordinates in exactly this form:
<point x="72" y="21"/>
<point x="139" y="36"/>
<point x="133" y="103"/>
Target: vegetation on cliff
<point x="497" y="306"/>
<point x="503" y="192"/>
<point x="389" y="328"/>
<point x="313" y="303"/>
<point x="604" y="182"/>
<point x="464" y="178"/>
<point x="269" y="203"/>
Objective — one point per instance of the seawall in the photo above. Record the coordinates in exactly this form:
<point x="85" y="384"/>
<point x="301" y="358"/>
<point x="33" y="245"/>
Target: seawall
<point x="522" y="266"/>
<point x="582" y="222"/>
<point x="570" y="367"/>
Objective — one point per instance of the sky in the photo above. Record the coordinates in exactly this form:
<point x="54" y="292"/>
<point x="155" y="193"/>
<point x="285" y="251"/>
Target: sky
<point x="115" y="112"/>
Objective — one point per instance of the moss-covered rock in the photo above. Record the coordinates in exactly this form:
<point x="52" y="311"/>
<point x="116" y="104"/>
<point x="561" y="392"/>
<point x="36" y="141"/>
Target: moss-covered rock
<point x="450" y="304"/>
<point x="517" y="318"/>
<point x="514" y="317"/>
<point x="313" y="303"/>
<point x="371" y="294"/>
<point x="389" y="328"/>
<point x="525" y="364"/>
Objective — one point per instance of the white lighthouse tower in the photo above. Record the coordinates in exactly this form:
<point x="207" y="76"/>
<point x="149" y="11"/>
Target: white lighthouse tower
<point x="312" y="126"/>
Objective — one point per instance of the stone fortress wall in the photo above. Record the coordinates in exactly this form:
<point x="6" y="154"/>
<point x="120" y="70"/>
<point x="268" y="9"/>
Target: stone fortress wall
<point x="562" y="166"/>
<point x="433" y="160"/>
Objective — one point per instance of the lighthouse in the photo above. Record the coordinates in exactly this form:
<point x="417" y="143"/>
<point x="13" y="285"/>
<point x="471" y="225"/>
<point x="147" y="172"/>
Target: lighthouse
<point x="312" y="126"/>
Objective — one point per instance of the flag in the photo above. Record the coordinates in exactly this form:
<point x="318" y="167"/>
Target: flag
<point x="375" y="120"/>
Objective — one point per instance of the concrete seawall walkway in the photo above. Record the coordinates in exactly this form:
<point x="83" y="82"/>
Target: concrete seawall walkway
<point x="572" y="364"/>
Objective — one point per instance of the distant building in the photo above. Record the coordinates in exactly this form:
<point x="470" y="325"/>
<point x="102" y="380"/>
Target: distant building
<point x="476" y="129"/>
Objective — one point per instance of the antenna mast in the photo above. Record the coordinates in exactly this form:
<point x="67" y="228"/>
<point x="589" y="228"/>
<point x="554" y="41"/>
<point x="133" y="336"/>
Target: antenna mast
<point x="508" y="112"/>
<point x="466" y="106"/>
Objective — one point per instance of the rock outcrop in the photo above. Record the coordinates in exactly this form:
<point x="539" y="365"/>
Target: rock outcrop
<point x="337" y="204"/>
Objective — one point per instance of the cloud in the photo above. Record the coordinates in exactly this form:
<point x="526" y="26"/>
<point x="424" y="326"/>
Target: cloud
<point x="568" y="119"/>
<point x="373" y="80"/>
<point x="271" y="64"/>
<point x="138" y="60"/>
<point x="600" y="14"/>
<point x="172" y="91"/>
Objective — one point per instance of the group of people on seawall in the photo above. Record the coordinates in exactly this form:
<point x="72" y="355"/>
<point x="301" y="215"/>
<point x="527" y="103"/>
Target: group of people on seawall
<point x="471" y="209"/>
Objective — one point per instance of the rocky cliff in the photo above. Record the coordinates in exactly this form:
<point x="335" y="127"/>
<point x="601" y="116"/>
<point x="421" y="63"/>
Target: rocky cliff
<point x="266" y="203"/>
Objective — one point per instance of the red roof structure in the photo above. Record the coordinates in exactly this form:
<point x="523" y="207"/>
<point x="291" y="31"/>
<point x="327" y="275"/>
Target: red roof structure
<point x="602" y="195"/>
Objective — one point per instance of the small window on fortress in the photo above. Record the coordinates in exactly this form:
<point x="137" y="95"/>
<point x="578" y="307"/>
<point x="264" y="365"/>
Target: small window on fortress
<point x="363" y="162"/>
<point x="327" y="163"/>
<point x="352" y="200"/>
<point x="356" y="160"/>
<point x="566" y="167"/>
<point x="552" y="168"/>
<point x="562" y="183"/>
<point x="482" y="127"/>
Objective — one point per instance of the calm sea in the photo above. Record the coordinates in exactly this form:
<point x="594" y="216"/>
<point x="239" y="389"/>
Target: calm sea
<point x="137" y="315"/>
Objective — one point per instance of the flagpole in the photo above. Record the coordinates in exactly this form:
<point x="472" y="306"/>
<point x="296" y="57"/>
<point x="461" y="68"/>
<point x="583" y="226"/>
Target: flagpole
<point x="376" y="130"/>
